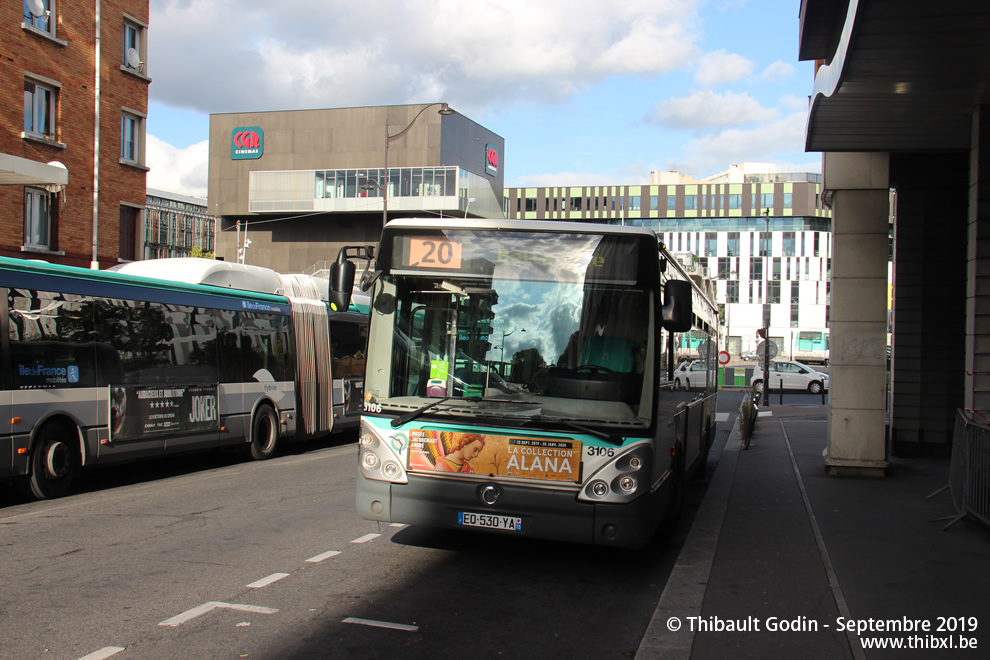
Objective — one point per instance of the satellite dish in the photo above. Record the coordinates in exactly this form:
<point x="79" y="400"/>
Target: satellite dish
<point x="37" y="8"/>
<point x="134" y="59"/>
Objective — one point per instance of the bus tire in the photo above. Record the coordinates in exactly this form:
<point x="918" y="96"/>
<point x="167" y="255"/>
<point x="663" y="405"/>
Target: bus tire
<point x="54" y="462"/>
<point x="264" y="433"/>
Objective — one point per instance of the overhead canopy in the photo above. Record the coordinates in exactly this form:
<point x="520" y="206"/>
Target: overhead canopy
<point x="15" y="171"/>
<point x="899" y="76"/>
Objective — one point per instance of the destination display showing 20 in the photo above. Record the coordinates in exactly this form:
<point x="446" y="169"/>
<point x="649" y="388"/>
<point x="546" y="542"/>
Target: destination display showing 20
<point x="532" y="253"/>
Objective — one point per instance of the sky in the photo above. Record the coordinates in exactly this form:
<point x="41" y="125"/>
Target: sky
<point x="584" y="92"/>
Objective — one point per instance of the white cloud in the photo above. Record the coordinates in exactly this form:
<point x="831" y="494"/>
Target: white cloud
<point x="181" y="171"/>
<point x="242" y="55"/>
<point x="782" y="139"/>
<point x="705" y="109"/>
<point x="721" y="67"/>
<point x="778" y="71"/>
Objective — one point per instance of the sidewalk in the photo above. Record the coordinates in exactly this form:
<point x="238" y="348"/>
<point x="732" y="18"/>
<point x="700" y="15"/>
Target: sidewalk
<point x="777" y="542"/>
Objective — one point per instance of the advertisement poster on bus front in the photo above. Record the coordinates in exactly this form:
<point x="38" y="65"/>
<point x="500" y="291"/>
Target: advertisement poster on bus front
<point x="548" y="459"/>
<point x="140" y="411"/>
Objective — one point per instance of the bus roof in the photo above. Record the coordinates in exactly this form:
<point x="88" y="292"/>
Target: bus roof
<point x="44" y="268"/>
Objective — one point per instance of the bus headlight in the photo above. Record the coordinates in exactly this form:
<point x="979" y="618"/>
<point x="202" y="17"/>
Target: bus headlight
<point x="619" y="480"/>
<point x="380" y="454"/>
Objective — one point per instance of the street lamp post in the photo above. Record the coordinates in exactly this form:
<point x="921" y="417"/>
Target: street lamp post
<point x="766" y="316"/>
<point x="444" y="110"/>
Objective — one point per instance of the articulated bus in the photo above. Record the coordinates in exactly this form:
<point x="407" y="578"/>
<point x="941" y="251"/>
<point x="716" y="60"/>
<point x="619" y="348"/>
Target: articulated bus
<point x="104" y="367"/>
<point x="520" y="380"/>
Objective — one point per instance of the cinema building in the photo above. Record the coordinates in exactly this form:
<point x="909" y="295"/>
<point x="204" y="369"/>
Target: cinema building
<point x="290" y="188"/>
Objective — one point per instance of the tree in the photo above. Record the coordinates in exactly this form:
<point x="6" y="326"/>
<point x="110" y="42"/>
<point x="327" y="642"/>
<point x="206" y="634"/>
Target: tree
<point x="197" y="252"/>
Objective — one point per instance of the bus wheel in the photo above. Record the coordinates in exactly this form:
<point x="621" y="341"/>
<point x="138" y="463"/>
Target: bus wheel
<point x="264" y="433"/>
<point x="54" y="462"/>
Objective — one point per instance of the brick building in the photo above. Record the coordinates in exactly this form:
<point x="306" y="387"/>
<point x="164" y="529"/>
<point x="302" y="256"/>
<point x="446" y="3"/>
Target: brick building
<point x="58" y="202"/>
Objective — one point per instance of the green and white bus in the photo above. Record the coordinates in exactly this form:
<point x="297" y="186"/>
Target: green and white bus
<point x="104" y="367"/>
<point x="519" y="379"/>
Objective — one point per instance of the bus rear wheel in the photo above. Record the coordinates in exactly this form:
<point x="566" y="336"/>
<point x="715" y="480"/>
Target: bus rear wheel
<point x="54" y="462"/>
<point x="264" y="433"/>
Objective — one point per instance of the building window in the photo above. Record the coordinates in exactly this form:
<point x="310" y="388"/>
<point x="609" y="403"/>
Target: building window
<point x="38" y="218"/>
<point x="131" y="138"/>
<point x="711" y="244"/>
<point x="671" y="203"/>
<point x="735" y="201"/>
<point x="575" y="203"/>
<point x="654" y="203"/>
<point x="773" y="291"/>
<point x="795" y="315"/>
<point x="134" y="51"/>
<point x="776" y="268"/>
<point x="765" y="239"/>
<point x="788" y="198"/>
<point x="789" y="245"/>
<point x="767" y="199"/>
<point x="39" y="109"/>
<point x="755" y="268"/>
<point x="732" y="291"/>
<point x="530" y="204"/>
<point x="634" y="203"/>
<point x="44" y="20"/>
<point x="690" y="202"/>
<point x="795" y="292"/>
<point x="732" y="244"/>
<point x="724" y="268"/>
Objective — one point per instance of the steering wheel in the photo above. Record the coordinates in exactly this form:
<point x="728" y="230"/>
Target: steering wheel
<point x="594" y="369"/>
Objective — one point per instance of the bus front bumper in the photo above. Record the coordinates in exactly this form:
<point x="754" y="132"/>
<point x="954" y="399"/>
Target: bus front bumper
<point x="546" y="514"/>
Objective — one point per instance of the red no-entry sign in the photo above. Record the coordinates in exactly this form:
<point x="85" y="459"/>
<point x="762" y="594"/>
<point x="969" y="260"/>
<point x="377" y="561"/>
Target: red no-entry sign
<point x="723" y="358"/>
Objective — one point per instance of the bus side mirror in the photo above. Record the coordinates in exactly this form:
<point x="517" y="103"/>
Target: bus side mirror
<point x="341" y="283"/>
<point x="676" y="312"/>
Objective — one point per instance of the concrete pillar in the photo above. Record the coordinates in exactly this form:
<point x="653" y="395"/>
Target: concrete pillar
<point x="859" y="186"/>
<point x="977" y="380"/>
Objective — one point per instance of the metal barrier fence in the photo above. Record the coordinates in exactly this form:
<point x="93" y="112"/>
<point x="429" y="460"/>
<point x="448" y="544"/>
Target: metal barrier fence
<point x="969" y="471"/>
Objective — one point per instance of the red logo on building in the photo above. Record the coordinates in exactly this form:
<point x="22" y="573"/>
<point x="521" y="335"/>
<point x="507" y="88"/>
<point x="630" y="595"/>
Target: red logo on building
<point x="491" y="158"/>
<point x="247" y="140"/>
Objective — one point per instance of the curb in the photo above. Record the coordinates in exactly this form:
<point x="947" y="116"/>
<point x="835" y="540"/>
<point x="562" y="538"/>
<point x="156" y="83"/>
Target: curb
<point x="667" y="637"/>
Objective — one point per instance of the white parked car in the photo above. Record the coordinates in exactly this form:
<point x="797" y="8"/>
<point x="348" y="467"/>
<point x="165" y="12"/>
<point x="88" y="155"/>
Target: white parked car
<point x="690" y="373"/>
<point x="793" y="376"/>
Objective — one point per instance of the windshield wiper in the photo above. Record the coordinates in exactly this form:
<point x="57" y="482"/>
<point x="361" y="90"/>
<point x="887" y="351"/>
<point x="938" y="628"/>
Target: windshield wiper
<point x="607" y="437"/>
<point x="413" y="414"/>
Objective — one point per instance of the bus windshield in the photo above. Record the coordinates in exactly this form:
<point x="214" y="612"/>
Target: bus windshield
<point x="513" y="324"/>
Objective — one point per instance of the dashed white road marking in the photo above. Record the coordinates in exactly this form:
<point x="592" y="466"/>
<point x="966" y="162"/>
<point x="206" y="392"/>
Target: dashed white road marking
<point x="365" y="538"/>
<point x="381" y="624"/>
<point x="213" y="605"/>
<point x="326" y="555"/>
<point x="265" y="581"/>
<point x="103" y="653"/>
<point x="765" y="413"/>
<point x="398" y="525"/>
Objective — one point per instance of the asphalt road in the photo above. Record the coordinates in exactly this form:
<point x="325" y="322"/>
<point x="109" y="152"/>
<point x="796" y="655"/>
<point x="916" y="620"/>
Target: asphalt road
<point x="213" y="557"/>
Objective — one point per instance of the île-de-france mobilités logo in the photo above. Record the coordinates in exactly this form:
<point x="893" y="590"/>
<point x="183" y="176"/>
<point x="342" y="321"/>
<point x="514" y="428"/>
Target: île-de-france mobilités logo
<point x="247" y="142"/>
